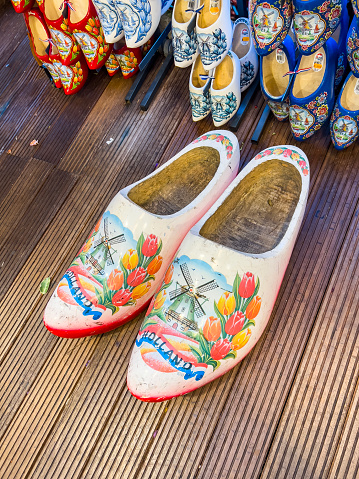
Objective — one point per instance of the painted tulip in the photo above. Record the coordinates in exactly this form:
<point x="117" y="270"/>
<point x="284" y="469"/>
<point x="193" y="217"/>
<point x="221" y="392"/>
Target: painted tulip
<point x="155" y="265"/>
<point x="115" y="280"/>
<point x="121" y="297"/>
<point x="169" y="274"/>
<point x="150" y="245"/>
<point x="247" y="285"/>
<point x="241" y="339"/>
<point x="136" y="277"/>
<point x="141" y="290"/>
<point x="220" y="349"/>
<point x="226" y="303"/>
<point x="235" y="323"/>
<point x="160" y="299"/>
<point x="253" y="307"/>
<point x="130" y="259"/>
<point x="212" y="329"/>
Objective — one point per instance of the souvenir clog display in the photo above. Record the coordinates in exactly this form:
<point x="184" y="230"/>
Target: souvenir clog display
<point x="243" y="47"/>
<point x="22" y="6"/>
<point x="340" y="36"/>
<point x="214" y="31"/>
<point x="312" y="93"/>
<point x="217" y="295"/>
<point x="184" y="37"/>
<point x="122" y="263"/>
<point x="225" y="89"/>
<point x="140" y="19"/>
<point x="270" y="22"/>
<point x="344" y="122"/>
<point x="110" y="20"/>
<point x="353" y="47"/>
<point x="274" y="78"/>
<point x="73" y="77"/>
<point x="314" y="22"/>
<point x="199" y="86"/>
<point x="87" y="30"/>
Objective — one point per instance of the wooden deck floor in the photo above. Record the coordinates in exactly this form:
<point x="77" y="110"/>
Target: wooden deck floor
<point x="290" y="409"/>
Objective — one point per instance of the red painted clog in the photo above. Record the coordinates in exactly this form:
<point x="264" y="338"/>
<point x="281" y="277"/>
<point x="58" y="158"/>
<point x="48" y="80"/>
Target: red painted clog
<point x="129" y="60"/>
<point x="112" y="65"/>
<point x="73" y="77"/>
<point x="22" y="6"/>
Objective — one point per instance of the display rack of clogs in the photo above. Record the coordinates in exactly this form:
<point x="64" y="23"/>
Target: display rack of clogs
<point x="304" y="49"/>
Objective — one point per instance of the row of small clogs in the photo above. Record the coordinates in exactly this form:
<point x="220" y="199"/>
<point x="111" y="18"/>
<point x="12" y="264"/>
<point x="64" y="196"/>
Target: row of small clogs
<point x="209" y="247"/>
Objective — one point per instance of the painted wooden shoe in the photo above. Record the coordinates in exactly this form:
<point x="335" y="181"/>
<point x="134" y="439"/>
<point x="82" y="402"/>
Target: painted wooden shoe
<point x="124" y="259"/>
<point x="22" y="6"/>
<point x="217" y="295"/>
<point x="73" y="77"/>
<point x="112" y="65"/>
<point x="225" y="89"/>
<point x="274" y="78"/>
<point x="199" y="86"/>
<point x="353" y="47"/>
<point x="340" y="36"/>
<point x="314" y="22"/>
<point x="110" y="20"/>
<point x="312" y="94"/>
<point x="129" y="60"/>
<point x="56" y="17"/>
<point x="243" y="47"/>
<point x="140" y="19"/>
<point x="270" y="23"/>
<point x="214" y="31"/>
<point x="54" y="56"/>
<point x="87" y="30"/>
<point x="184" y="38"/>
<point x="344" y="122"/>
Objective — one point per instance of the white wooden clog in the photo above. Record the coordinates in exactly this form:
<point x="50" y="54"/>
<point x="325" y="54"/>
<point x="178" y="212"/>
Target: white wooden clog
<point x="243" y="47"/>
<point x="199" y="86"/>
<point x="184" y="38"/>
<point x="218" y="293"/>
<point x="110" y="20"/>
<point x="118" y="269"/>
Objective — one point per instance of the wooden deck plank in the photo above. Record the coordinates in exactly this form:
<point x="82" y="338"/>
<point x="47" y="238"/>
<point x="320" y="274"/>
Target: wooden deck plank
<point x="12" y="32"/>
<point x="321" y="395"/>
<point x="10" y="169"/>
<point x="11" y="74"/>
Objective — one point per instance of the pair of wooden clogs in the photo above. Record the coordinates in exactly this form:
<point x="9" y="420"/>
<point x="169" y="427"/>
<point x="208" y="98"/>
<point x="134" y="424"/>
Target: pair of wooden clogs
<point x="210" y="249"/>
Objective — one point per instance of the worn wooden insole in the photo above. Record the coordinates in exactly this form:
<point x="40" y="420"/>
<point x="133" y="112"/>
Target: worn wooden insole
<point x="180" y="14"/>
<point x="275" y="84"/>
<point x="256" y="215"/>
<point x="350" y="100"/>
<point x="223" y="74"/>
<point x="237" y="47"/>
<point x="206" y="18"/>
<point x="198" y="70"/>
<point x="52" y="9"/>
<point x="80" y="9"/>
<point x="179" y="184"/>
<point x="306" y="83"/>
<point x="39" y="35"/>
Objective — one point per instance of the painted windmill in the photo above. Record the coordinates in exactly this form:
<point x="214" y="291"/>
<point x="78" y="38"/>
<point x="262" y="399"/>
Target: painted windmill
<point x="179" y="40"/>
<point x="188" y="301"/>
<point x="103" y="251"/>
<point x="297" y="118"/>
<point x="265" y="21"/>
<point x="306" y="26"/>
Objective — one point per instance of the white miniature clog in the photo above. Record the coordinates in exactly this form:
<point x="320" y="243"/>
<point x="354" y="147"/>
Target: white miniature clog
<point x="214" y="31"/>
<point x="225" y="89"/>
<point x="217" y="295"/>
<point x="243" y="47"/>
<point x="118" y="269"/>
<point x="140" y="19"/>
<point x="110" y="20"/>
<point x="184" y="38"/>
<point x="199" y="85"/>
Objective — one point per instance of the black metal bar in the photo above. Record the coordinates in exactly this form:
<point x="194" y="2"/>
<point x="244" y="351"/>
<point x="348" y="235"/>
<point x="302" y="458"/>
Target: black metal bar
<point x="261" y="124"/>
<point x="141" y="77"/>
<point x="156" y="82"/>
<point x="159" y="42"/>
<point x="235" y="121"/>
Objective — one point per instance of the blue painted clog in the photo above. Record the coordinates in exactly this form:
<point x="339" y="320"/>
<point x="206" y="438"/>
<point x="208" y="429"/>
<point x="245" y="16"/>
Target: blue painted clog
<point x="311" y="97"/>
<point x="353" y="47"/>
<point x="340" y="36"/>
<point x="314" y="22"/>
<point x="275" y="86"/>
<point x="184" y="37"/>
<point x="270" y="22"/>
<point x="199" y="87"/>
<point x="243" y="47"/>
<point x="344" y="122"/>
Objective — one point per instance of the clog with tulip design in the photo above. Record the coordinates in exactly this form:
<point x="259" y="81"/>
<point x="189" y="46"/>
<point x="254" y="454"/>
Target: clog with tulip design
<point x="110" y="20"/>
<point x="124" y="259"/>
<point x="217" y="295"/>
<point x="22" y="6"/>
<point x="129" y="60"/>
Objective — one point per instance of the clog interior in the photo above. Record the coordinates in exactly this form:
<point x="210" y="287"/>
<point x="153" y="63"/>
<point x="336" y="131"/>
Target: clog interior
<point x="177" y="185"/>
<point x="237" y="46"/>
<point x="39" y="35"/>
<point x="255" y="216"/>
<point x="223" y="74"/>
<point x="209" y="15"/>
<point x="274" y="83"/>
<point x="308" y="82"/>
<point x="349" y="99"/>
<point x="53" y="10"/>
<point x="198" y="69"/>
<point x="180" y="14"/>
<point x="79" y="11"/>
